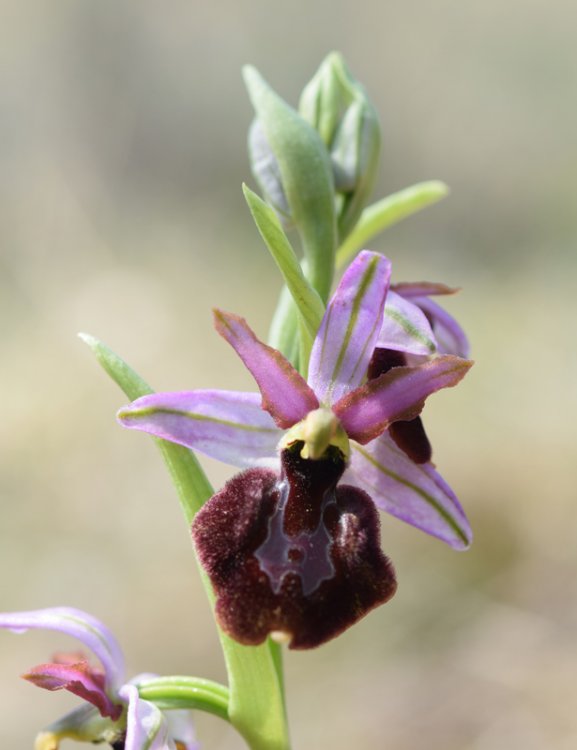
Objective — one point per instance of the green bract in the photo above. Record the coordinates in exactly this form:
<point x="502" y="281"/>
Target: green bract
<point x="309" y="306"/>
<point x="388" y="211"/>
<point x="306" y="181"/>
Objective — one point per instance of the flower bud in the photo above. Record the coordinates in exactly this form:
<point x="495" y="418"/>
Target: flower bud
<point x="266" y="171"/>
<point x="338" y="107"/>
<point x="293" y="168"/>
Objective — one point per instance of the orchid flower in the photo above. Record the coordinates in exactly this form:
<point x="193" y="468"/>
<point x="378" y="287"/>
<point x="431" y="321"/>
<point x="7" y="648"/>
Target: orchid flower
<point x="293" y="552"/>
<point x="415" y="328"/>
<point x="114" y="712"/>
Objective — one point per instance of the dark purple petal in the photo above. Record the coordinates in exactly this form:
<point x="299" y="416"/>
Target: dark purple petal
<point x="292" y="555"/>
<point x="78" y="678"/>
<point x="405" y="327"/>
<point x="410" y="436"/>
<point x="398" y="395"/>
<point x="412" y="439"/>
<point x="86" y="628"/>
<point x="285" y="394"/>
<point x="227" y="425"/>
<point x="384" y="360"/>
<point x="415" y="493"/>
<point x="350" y="328"/>
<point x="451" y="339"/>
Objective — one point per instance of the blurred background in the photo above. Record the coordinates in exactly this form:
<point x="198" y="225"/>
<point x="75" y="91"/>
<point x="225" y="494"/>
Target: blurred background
<point x="122" y="152"/>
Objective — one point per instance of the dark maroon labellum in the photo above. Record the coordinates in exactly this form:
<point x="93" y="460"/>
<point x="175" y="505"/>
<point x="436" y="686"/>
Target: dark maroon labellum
<point x="294" y="553"/>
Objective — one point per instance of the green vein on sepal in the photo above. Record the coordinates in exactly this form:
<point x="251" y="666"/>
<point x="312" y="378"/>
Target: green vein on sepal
<point x="186" y="692"/>
<point x="410" y="329"/>
<point x="309" y="305"/>
<point x="363" y="286"/>
<point x="256" y="698"/>
<point x="388" y="211"/>
<point x="443" y="512"/>
<point x="193" y="416"/>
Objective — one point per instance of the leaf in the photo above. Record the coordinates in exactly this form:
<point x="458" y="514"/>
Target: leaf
<point x="191" y="483"/>
<point x="307" y="300"/>
<point x="388" y="211"/>
<point x="306" y="177"/>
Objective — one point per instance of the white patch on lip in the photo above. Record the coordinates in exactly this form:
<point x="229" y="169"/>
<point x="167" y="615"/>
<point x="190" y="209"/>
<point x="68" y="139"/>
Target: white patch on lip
<point x="280" y="636"/>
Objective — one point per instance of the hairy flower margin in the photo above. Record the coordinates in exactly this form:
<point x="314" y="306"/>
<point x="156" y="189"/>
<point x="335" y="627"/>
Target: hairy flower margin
<point x="114" y="712"/>
<point x="289" y="551"/>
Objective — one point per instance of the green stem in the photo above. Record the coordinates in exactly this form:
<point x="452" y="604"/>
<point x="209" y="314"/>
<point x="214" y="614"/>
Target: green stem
<point x="256" y="704"/>
<point x="186" y="692"/>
